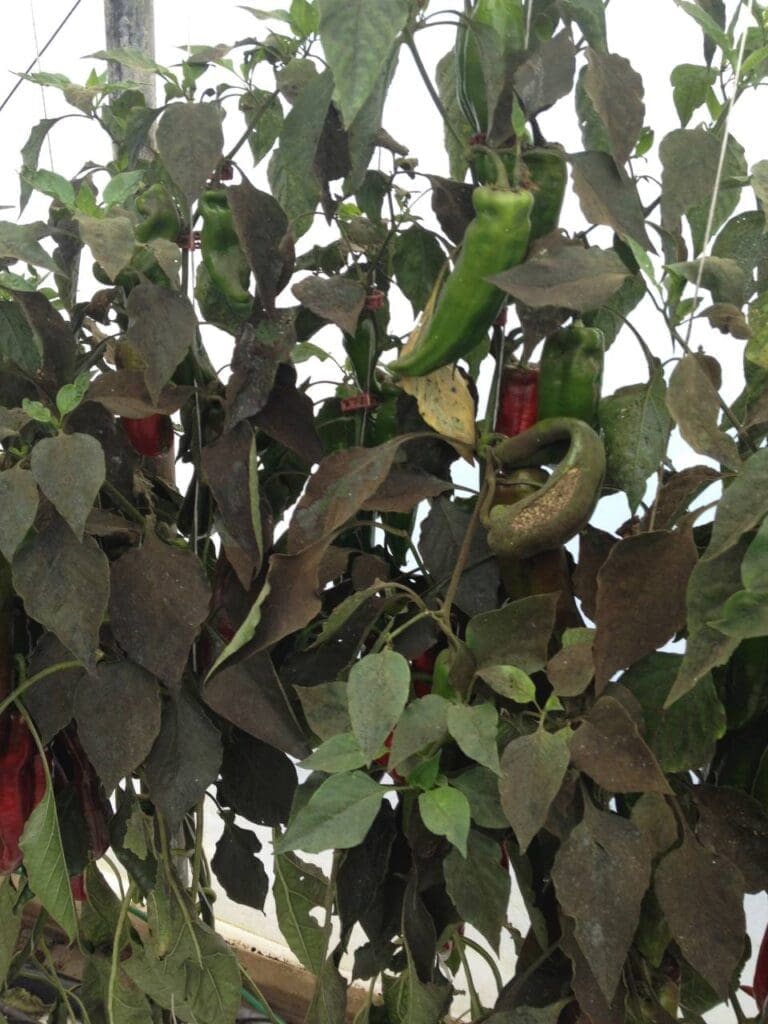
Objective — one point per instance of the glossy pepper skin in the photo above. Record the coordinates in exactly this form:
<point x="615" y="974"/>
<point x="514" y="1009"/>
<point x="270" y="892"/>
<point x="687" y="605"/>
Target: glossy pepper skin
<point x="223" y="257"/>
<point x="562" y="507"/>
<point x="543" y="170"/>
<point x="160" y="217"/>
<point x="571" y="373"/>
<point x="506" y="20"/>
<point x="518" y="400"/>
<point x="495" y="240"/>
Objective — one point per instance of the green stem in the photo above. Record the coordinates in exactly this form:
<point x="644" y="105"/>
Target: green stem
<point x="30" y="681"/>
<point x="476" y="1006"/>
<point x="477" y="948"/>
<point x="115" y="961"/>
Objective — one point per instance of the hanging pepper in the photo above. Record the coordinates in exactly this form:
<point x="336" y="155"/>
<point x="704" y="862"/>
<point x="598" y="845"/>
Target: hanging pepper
<point x="518" y="400"/>
<point x="562" y="507"/>
<point x="94" y="805"/>
<point x="475" y="44"/>
<point x="22" y="786"/>
<point x="495" y="240"/>
<point x="571" y="373"/>
<point x="149" y="435"/>
<point x="222" y="254"/>
<point x="160" y="216"/>
<point x="543" y="170"/>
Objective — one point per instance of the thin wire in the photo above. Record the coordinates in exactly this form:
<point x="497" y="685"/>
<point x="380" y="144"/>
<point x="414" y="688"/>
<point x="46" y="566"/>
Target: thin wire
<point x="40" y="53"/>
<point x="718" y="178"/>
<point x="528" y="21"/>
<point x="42" y="87"/>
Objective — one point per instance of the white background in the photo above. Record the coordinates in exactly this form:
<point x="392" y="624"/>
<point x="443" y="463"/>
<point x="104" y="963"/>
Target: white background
<point x="654" y="35"/>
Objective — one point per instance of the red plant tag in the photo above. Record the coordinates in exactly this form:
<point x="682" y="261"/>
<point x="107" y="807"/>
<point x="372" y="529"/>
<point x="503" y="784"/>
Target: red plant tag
<point x="365" y="400"/>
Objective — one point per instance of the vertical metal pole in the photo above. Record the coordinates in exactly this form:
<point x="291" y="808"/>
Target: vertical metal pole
<point x="131" y="23"/>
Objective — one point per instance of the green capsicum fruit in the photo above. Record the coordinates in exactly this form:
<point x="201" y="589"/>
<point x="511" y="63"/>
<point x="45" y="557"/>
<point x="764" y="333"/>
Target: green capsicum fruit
<point x="160" y="217"/>
<point x="543" y="170"/>
<point x="562" y="507"/>
<point x="223" y="257"/>
<point x="495" y="240"/>
<point x="571" y="373"/>
<point x="475" y="47"/>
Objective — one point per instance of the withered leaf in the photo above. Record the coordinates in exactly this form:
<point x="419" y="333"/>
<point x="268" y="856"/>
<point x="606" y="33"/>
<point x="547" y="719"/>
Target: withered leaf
<point x="51" y="700"/>
<point x="676" y="494"/>
<point x="616" y="91"/>
<point x="125" y="393"/>
<point x="336" y="491"/>
<point x="189" y="141"/>
<point x="585" y="985"/>
<point x="288" y="417"/>
<point x="547" y="74"/>
<point x="576" y="278"/>
<point x="608" y="748"/>
<point x="452" y="205"/>
<point x="609" y="197"/>
<point x="64" y="585"/>
<point x="338" y="299"/>
<point x="250" y="695"/>
<point x="532" y="770"/>
<point x="110" y="239"/>
<point x="246" y="763"/>
<point x="601" y="873"/>
<point x="161" y="327"/>
<point x="240" y="872"/>
<point x="184" y="760"/>
<point x="702" y="897"/>
<point x="159" y="599"/>
<point x="53" y="337"/>
<point x="442" y="534"/>
<point x="229" y="465"/>
<point x="18" y="507"/>
<point x="263" y="230"/>
<point x="594" y="547"/>
<point x="735" y="826"/>
<point x="570" y="671"/>
<point x="641" y="592"/>
<point x="117" y="709"/>
<point x="693" y="401"/>
<point x="517" y="634"/>
<point x="258" y="352"/>
<point x="70" y="470"/>
<point x="294" y="595"/>
<point x="656" y="820"/>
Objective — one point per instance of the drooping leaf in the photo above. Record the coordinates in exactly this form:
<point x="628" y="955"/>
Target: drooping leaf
<point x="358" y="43"/>
<point x="64" y="585"/>
<point x="641" y="593"/>
<point x="607" y="197"/>
<point x="337" y="299"/>
<point x="18" y="508"/>
<point x="608" y="747"/>
<point x="479" y="886"/>
<point x="184" y="760"/>
<point x="189" y="140"/>
<point x="601" y="874"/>
<point x="445" y="811"/>
<point x="481" y="788"/>
<point x="377" y="690"/>
<point x="743" y="505"/>
<point x="238" y="869"/>
<point x="694" y="403"/>
<point x="410" y="1001"/>
<point x="636" y="428"/>
<point x="417" y="260"/>
<point x="110" y="239"/>
<point x="532" y="771"/>
<point x="329" y="998"/>
<point x="150" y="623"/>
<point x="475" y="728"/>
<point x="683" y="736"/>
<point x="262" y="228"/>
<point x="50" y="701"/>
<point x="246" y="762"/>
<point x="517" y="634"/>
<point x="70" y="470"/>
<point x="422" y="723"/>
<point x="161" y="327"/>
<point x="702" y="897"/>
<point x="340" y="753"/>
<point x="616" y="91"/>
<point x="44" y="863"/>
<point x="117" y="709"/>
<point x="337" y="816"/>
<point x="576" y="278"/>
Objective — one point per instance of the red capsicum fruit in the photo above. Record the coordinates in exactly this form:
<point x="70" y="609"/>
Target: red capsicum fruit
<point x="518" y="400"/>
<point x="22" y="787"/>
<point x="760" y="983"/>
<point x="149" y="435"/>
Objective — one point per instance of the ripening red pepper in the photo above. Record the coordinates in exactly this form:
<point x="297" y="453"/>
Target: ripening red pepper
<point x="518" y="400"/>
<point x="21" y="789"/>
<point x="77" y="885"/>
<point x="93" y="802"/>
<point x="150" y="435"/>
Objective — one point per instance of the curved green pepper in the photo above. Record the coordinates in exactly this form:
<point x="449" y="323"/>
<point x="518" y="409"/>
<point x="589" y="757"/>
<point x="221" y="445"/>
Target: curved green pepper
<point x="223" y="257"/>
<point x="475" y="46"/>
<point x="495" y="240"/>
<point x="563" y="506"/>
<point x="160" y="217"/>
<point x="571" y="373"/>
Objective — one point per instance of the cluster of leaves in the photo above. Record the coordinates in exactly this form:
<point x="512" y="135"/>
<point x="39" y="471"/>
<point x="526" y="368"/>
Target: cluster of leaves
<point x="278" y="610"/>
